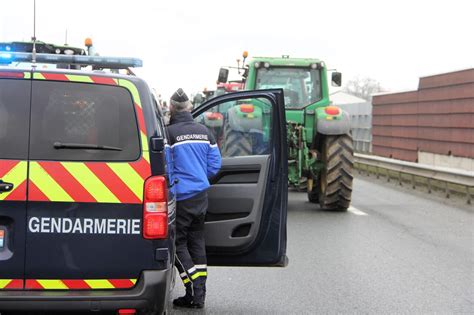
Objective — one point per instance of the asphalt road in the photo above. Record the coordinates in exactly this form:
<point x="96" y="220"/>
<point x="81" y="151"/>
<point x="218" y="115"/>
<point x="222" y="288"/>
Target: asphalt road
<point x="396" y="252"/>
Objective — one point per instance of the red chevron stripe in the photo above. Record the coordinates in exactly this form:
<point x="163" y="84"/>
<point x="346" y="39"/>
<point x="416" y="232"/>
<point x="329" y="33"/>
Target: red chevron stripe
<point x="18" y="193"/>
<point x="15" y="284"/>
<point x="33" y="285"/>
<point x="76" y="284"/>
<point x="113" y="182"/>
<point x="6" y="166"/>
<point x="103" y="80"/>
<point x="67" y="182"/>
<point x="141" y="119"/>
<point x="34" y="193"/>
<point x="142" y="167"/>
<point x="122" y="283"/>
<point x="54" y="76"/>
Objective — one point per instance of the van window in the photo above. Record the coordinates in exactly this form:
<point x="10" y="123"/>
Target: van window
<point x="82" y="122"/>
<point x="14" y="118"/>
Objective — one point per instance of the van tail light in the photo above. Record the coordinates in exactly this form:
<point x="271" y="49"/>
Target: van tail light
<point x="155" y="208"/>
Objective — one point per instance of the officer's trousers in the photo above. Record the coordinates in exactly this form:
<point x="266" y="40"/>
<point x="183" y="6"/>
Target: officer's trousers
<point x="191" y="258"/>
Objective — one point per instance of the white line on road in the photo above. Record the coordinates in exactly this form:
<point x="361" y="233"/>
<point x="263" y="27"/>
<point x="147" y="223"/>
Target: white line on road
<point x="356" y="211"/>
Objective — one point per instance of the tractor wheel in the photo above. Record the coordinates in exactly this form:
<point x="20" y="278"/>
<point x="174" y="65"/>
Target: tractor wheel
<point x="236" y="143"/>
<point x="335" y="183"/>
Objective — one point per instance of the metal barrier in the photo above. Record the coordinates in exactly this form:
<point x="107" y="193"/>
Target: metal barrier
<point x="417" y="174"/>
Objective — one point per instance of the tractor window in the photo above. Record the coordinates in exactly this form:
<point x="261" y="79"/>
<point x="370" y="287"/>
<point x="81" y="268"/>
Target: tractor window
<point x="301" y="86"/>
<point x="241" y="128"/>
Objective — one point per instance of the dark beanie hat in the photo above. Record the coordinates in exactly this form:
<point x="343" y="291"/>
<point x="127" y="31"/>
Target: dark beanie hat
<point x="179" y="96"/>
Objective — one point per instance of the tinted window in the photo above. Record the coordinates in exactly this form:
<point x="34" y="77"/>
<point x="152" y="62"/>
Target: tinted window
<point x="241" y="128"/>
<point x="14" y="118"/>
<point x="66" y="114"/>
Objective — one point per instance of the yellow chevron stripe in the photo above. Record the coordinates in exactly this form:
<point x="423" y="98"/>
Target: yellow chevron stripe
<point x="4" y="283"/>
<point x="186" y="280"/>
<point x="26" y="75"/>
<point x="52" y="284"/>
<point x="133" y="89"/>
<point x="47" y="184"/>
<point x="134" y="281"/>
<point x="79" y="78"/>
<point x="146" y="156"/>
<point x="90" y="182"/>
<point x="16" y="176"/>
<point x="38" y="76"/>
<point x="129" y="176"/>
<point x="99" y="284"/>
<point x="144" y="142"/>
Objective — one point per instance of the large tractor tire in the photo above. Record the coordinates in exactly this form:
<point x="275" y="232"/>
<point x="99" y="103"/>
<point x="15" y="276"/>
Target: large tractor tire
<point x="236" y="143"/>
<point x="335" y="181"/>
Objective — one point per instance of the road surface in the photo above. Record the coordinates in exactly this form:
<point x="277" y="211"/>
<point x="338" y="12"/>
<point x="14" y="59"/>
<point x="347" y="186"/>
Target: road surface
<point x="394" y="252"/>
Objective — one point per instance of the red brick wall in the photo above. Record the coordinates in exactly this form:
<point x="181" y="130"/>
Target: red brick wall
<point x="436" y="118"/>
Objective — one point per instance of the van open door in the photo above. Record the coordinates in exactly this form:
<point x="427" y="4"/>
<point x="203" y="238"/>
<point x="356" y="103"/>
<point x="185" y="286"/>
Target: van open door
<point x="246" y="218"/>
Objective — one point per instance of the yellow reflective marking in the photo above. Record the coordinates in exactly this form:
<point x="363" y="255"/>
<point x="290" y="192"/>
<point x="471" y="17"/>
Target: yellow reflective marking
<point x="90" y="182"/>
<point x="116" y="81"/>
<point x="4" y="283"/>
<point x="16" y="176"/>
<point x="47" y="184"/>
<point x="79" y="78"/>
<point x="199" y="274"/>
<point x="134" y="281"/>
<point x="186" y="280"/>
<point x="144" y="142"/>
<point x="52" y="284"/>
<point x="39" y="76"/>
<point x="99" y="284"/>
<point x="146" y="156"/>
<point x="27" y="75"/>
<point x="129" y="176"/>
<point x="133" y="89"/>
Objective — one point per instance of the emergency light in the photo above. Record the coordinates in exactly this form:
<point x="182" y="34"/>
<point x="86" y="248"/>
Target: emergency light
<point x="8" y="57"/>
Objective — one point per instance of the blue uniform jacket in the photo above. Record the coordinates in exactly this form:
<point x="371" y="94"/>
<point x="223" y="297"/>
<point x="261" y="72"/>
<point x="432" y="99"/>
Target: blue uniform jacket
<point x="194" y="153"/>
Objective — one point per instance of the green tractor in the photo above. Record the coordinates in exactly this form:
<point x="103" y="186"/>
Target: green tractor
<point x="320" y="147"/>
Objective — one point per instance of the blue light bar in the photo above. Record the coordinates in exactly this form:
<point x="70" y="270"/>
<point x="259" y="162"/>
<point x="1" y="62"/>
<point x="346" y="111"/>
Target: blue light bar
<point x="97" y="61"/>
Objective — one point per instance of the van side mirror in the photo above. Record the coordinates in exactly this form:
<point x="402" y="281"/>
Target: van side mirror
<point x="336" y="79"/>
<point x="157" y="144"/>
<point x="223" y="75"/>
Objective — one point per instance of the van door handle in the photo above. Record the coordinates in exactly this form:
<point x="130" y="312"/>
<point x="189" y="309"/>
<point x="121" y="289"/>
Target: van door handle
<point x="5" y="187"/>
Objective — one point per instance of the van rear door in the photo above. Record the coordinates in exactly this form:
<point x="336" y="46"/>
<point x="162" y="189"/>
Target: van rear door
<point x="87" y="171"/>
<point x="14" y="131"/>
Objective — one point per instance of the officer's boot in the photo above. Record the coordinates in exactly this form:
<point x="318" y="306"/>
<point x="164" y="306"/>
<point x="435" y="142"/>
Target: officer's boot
<point x="187" y="299"/>
<point x="199" y="288"/>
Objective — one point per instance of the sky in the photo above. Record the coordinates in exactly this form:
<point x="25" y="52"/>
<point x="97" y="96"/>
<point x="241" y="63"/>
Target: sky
<point x="184" y="43"/>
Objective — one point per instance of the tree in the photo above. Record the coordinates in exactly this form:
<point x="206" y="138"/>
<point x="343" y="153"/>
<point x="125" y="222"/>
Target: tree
<point x="363" y="87"/>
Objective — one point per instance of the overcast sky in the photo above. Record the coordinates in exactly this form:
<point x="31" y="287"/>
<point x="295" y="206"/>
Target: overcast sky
<point x="183" y="43"/>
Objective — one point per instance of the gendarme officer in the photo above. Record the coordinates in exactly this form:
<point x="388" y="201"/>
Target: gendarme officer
<point x="196" y="158"/>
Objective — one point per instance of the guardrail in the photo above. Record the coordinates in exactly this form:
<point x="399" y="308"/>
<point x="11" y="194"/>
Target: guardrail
<point x="448" y="180"/>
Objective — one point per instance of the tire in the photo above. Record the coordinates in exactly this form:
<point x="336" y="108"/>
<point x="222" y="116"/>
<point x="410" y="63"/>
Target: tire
<point x="236" y="143"/>
<point x="335" y="182"/>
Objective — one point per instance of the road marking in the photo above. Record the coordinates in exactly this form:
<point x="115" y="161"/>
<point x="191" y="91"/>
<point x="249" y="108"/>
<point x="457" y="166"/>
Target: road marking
<point x="356" y="211"/>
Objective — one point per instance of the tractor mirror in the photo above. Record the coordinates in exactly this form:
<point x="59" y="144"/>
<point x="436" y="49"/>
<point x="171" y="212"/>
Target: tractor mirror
<point x="336" y="79"/>
<point x="223" y="75"/>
